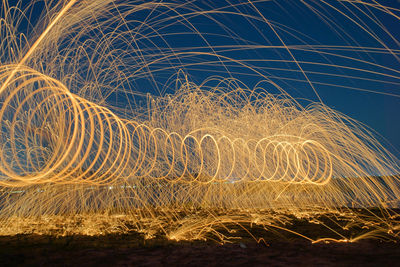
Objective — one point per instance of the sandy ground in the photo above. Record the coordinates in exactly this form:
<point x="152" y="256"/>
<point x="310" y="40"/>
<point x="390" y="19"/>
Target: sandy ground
<point x="129" y="250"/>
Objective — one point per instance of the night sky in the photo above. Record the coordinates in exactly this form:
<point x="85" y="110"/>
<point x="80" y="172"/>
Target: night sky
<point x="348" y="52"/>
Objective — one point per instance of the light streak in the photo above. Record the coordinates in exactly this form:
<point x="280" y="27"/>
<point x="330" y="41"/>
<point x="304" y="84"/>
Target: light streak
<point x="193" y="162"/>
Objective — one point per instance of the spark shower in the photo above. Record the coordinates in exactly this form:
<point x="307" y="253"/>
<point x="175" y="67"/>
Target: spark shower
<point x="103" y="124"/>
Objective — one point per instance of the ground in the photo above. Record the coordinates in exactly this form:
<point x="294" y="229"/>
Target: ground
<point x="133" y="250"/>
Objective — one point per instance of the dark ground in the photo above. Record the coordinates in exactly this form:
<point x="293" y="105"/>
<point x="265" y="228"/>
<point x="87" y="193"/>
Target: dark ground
<point x="133" y="250"/>
<point x="276" y="247"/>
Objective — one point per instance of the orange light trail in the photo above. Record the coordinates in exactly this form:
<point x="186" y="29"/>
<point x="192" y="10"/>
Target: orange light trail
<point x="193" y="162"/>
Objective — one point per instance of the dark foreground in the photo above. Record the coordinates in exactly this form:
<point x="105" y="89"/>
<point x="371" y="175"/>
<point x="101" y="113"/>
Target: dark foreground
<point x="132" y="250"/>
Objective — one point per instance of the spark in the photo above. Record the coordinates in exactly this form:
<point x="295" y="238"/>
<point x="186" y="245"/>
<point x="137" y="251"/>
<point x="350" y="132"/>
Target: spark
<point x="191" y="163"/>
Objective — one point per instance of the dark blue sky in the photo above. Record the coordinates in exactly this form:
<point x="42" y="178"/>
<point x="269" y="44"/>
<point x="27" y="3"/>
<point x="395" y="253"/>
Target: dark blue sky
<point x="350" y="56"/>
<point x="348" y="52"/>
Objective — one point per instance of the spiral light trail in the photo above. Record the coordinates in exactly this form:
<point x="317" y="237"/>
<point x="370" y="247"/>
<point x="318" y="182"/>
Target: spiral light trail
<point x="205" y="156"/>
<point x="63" y="134"/>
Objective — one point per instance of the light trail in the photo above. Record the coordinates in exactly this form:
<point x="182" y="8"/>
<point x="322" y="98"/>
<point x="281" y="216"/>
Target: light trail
<point x="192" y="162"/>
